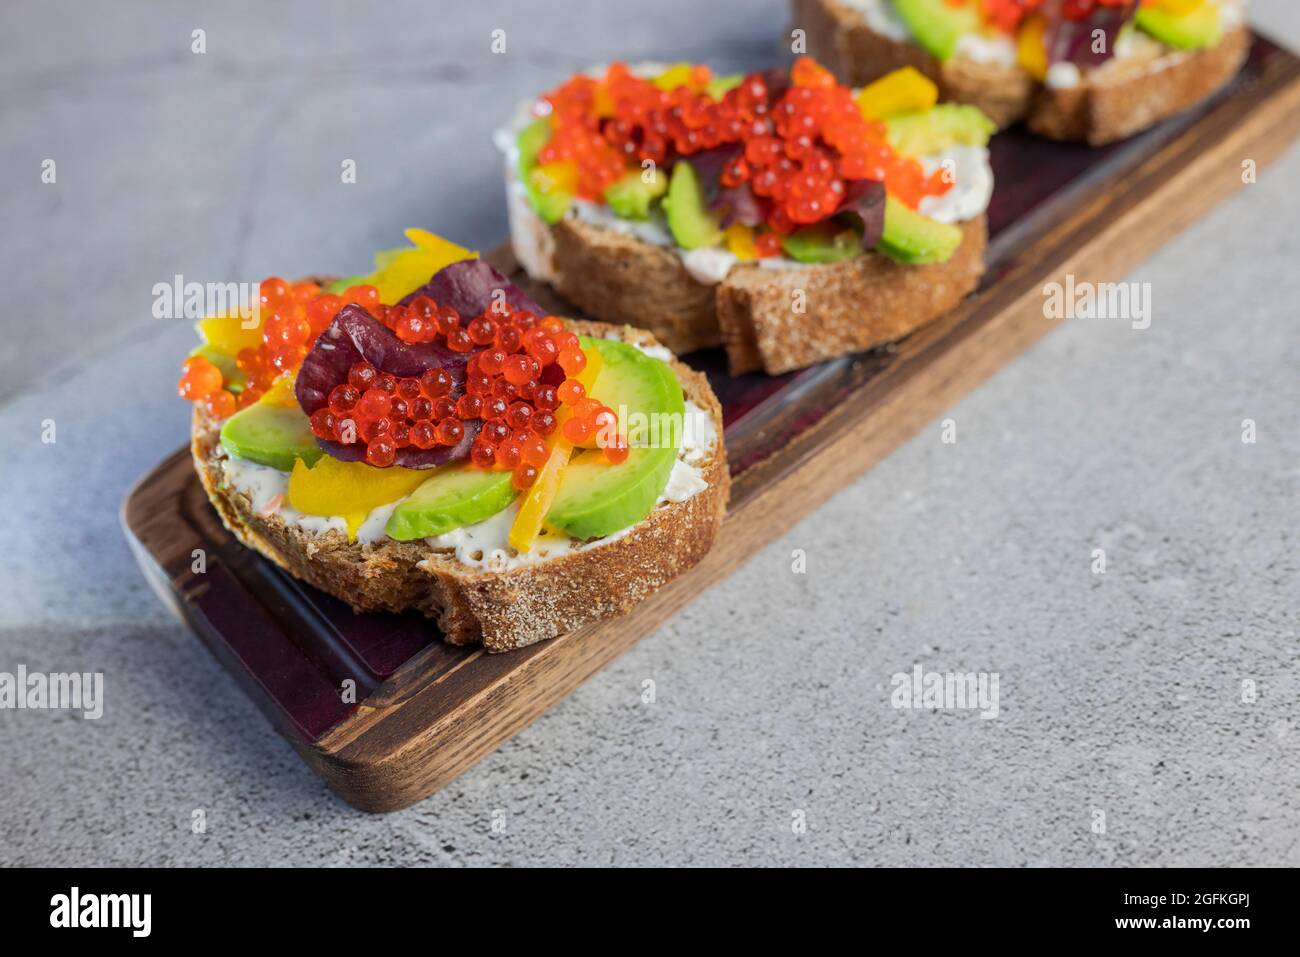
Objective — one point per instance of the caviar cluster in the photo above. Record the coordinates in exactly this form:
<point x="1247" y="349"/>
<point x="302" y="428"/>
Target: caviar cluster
<point x="518" y="375"/>
<point x="1007" y="14"/>
<point x="295" y="315"/>
<point x="797" y="152"/>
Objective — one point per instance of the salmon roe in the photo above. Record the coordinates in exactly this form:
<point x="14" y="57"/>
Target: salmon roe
<point x="797" y="147"/>
<point x="519" y="366"/>
<point x="293" y="316"/>
<point x="1007" y="15"/>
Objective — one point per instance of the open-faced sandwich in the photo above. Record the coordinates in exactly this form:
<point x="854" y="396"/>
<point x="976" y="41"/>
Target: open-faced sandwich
<point x="780" y="214"/>
<point x="1091" y="70"/>
<point x="427" y="438"/>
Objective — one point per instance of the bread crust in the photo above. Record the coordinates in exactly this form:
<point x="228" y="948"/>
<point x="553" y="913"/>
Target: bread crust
<point x="774" y="319"/>
<point x="784" y="319"/>
<point x="1112" y="103"/>
<point x="502" y="610"/>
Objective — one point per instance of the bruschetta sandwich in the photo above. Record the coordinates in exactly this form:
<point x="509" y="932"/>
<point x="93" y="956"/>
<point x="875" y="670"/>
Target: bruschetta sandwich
<point x="1088" y="70"/>
<point x="780" y="214"/>
<point x="426" y="437"/>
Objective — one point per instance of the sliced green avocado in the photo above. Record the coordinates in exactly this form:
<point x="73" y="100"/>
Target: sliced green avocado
<point x="1199" y="27"/>
<point x="914" y="239"/>
<point x="689" y="220"/>
<point x="233" y="376"/>
<point x="631" y="196"/>
<point x="937" y="25"/>
<point x="824" y="242"/>
<point x="454" y="496"/>
<point x="719" y="85"/>
<point x="274" y="435"/>
<point x="597" y="499"/>
<point x="551" y="206"/>
<point x="927" y="132"/>
<point x="339" y="286"/>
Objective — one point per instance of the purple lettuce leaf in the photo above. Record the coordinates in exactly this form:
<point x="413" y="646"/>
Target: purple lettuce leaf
<point x="409" y="457"/>
<point x="864" y="201"/>
<point x="357" y="336"/>
<point x="738" y="204"/>
<point x="1073" y="41"/>
<point x="468" y="287"/>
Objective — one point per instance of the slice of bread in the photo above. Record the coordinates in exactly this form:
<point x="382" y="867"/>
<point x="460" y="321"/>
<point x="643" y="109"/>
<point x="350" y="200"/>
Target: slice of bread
<point x="502" y="610"/>
<point x="1113" y="102"/>
<point x="774" y="319"/>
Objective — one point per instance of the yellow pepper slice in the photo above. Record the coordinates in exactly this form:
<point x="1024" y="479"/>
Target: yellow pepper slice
<point x="538" y="499"/>
<point x="349" y="489"/>
<point x="230" y="333"/>
<point x="1031" y="46"/>
<point x="740" y="241"/>
<point x="411" y="268"/>
<point x="904" y="91"/>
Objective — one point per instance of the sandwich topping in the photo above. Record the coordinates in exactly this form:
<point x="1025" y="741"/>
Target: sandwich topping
<point x="774" y="168"/>
<point x="430" y="397"/>
<point x="1055" y="41"/>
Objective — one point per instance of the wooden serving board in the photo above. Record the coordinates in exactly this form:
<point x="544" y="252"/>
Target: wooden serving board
<point x="427" y="710"/>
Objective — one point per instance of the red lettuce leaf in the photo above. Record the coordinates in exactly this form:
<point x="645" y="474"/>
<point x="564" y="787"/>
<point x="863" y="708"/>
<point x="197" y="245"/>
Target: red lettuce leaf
<point x="864" y="201"/>
<point x="357" y="336"/>
<point x="468" y="287"/>
<point x="1072" y="41"/>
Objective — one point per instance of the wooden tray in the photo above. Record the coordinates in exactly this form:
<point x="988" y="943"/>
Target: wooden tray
<point x="429" y="710"/>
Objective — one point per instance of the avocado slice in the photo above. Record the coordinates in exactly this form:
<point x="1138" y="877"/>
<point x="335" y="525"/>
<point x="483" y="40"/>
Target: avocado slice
<point x="719" y="85"/>
<point x="1199" y="27"/>
<point x="550" y="205"/>
<point x="912" y="238"/>
<point x="937" y="24"/>
<point x="631" y="196"/>
<point x="454" y="496"/>
<point x="927" y="132"/>
<point x="689" y="219"/>
<point x="824" y="242"/>
<point x="596" y="498"/>
<point x="270" y="434"/>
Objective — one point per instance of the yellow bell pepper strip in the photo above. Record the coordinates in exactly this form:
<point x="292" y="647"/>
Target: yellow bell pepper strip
<point x="537" y="501"/>
<point x="411" y="268"/>
<point x="740" y="241"/>
<point x="904" y="91"/>
<point x="1031" y="46"/>
<point x="232" y="332"/>
<point x="349" y="489"/>
<point x="281" y="391"/>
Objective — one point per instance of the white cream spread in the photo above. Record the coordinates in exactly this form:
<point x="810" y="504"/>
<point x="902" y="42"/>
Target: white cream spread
<point x="995" y="48"/>
<point x="882" y="18"/>
<point x="972" y="186"/>
<point x="484" y="544"/>
<point x="1063" y="76"/>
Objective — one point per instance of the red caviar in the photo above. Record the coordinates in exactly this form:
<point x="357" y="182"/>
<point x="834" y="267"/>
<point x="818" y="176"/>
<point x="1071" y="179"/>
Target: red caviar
<point x="797" y="149"/>
<point x="515" y="376"/>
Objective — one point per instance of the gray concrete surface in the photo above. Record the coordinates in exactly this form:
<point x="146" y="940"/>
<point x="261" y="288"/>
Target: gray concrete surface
<point x="1120" y="693"/>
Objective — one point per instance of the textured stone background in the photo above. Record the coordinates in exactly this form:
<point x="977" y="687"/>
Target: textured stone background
<point x="1119" y="692"/>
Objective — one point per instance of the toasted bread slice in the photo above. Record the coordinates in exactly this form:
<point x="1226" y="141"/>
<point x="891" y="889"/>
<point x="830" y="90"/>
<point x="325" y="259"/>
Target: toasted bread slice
<point x="1112" y="102"/>
<point x="501" y="609"/>
<point x="774" y="319"/>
